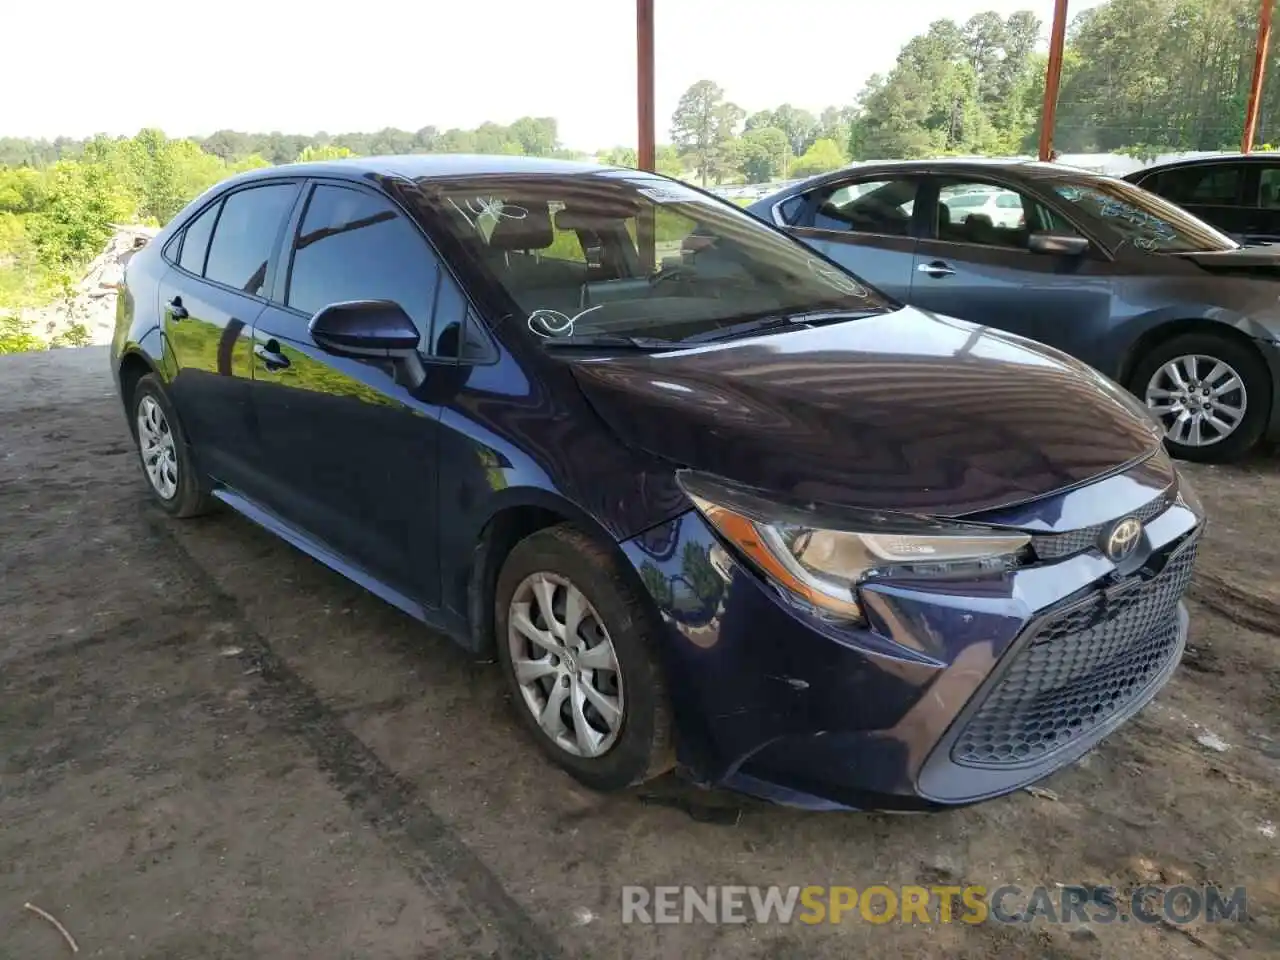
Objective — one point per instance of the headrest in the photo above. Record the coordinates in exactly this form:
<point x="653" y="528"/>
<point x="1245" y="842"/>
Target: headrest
<point x="530" y="232"/>
<point x="944" y="215"/>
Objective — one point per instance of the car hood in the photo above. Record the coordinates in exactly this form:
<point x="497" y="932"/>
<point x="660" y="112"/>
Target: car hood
<point x="1261" y="261"/>
<point x="905" y="411"/>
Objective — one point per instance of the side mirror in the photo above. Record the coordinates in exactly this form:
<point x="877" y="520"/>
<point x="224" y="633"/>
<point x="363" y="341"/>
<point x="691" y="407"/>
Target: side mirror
<point x="1057" y="244"/>
<point x="365" y="329"/>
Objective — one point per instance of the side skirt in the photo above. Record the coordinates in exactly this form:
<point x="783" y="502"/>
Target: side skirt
<point x="313" y="548"/>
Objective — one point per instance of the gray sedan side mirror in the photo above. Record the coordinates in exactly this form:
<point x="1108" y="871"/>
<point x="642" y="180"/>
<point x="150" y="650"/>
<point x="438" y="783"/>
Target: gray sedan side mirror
<point x="1057" y="244"/>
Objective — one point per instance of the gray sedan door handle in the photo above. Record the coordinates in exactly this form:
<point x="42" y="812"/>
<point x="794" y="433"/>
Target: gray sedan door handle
<point x="936" y="269"/>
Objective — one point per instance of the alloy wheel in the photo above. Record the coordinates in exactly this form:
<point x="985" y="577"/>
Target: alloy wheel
<point x="565" y="665"/>
<point x="1199" y="400"/>
<point x="159" y="452"/>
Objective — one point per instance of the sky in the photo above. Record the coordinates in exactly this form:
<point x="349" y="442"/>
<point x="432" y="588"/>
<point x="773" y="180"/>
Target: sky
<point x="262" y="65"/>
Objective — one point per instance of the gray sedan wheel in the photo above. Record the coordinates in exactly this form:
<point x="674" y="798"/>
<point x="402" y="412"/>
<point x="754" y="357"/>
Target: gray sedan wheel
<point x="1210" y="392"/>
<point x="1200" y="400"/>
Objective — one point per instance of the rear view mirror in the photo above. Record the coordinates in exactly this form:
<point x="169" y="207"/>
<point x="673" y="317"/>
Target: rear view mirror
<point x="365" y="329"/>
<point x="1057" y="244"/>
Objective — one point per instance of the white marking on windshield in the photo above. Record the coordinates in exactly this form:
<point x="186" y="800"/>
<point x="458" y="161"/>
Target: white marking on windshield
<point x="545" y="322"/>
<point x="841" y="281"/>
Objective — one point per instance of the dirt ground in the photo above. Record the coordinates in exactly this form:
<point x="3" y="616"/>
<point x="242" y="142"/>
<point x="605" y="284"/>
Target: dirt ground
<point x="211" y="746"/>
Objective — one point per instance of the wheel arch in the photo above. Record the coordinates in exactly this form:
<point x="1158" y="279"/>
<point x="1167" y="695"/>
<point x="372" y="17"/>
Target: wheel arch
<point x="1164" y="332"/>
<point x="132" y="367"/>
<point x="514" y="514"/>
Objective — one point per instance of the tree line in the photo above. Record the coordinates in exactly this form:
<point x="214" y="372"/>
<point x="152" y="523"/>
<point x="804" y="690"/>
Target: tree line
<point x="1140" y="76"/>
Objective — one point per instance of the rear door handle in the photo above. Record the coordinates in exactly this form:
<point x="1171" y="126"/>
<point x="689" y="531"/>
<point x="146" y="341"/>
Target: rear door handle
<point x="936" y="269"/>
<point x="270" y="355"/>
<point x="176" y="309"/>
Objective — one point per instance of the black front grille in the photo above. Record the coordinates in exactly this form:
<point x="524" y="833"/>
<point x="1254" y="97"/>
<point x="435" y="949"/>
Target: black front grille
<point x="1080" y="668"/>
<point x="1055" y="546"/>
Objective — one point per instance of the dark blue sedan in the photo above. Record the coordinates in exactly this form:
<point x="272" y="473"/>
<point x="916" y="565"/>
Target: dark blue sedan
<point x="708" y="499"/>
<point x="1159" y="301"/>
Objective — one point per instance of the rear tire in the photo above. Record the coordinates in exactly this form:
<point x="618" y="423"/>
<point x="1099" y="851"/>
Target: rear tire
<point x="167" y="464"/>
<point x="1206" y="363"/>
<point x="595" y="654"/>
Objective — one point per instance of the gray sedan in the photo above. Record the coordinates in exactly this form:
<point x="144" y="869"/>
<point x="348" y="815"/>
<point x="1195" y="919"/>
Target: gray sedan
<point x="1177" y="312"/>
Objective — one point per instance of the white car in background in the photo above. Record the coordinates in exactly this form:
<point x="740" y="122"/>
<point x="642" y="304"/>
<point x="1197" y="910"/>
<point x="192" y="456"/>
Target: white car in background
<point x="1003" y="207"/>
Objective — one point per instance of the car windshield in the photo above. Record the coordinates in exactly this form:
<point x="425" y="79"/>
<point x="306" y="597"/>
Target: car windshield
<point x="1147" y="221"/>
<point x="626" y="254"/>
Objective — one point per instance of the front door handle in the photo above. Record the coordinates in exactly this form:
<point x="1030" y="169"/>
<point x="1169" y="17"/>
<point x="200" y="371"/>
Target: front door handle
<point x="270" y="355"/>
<point x="937" y="269"/>
<point x="176" y="309"/>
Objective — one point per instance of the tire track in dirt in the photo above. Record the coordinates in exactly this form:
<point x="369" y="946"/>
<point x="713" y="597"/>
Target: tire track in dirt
<point x="470" y="895"/>
<point x="1240" y="606"/>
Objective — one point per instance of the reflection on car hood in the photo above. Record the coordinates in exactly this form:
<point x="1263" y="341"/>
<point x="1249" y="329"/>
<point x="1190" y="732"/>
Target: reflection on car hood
<point x="904" y="411"/>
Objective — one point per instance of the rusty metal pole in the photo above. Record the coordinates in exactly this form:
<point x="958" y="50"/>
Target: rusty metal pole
<point x="646" y="154"/>
<point x="1053" y="78"/>
<point x="1259" y="71"/>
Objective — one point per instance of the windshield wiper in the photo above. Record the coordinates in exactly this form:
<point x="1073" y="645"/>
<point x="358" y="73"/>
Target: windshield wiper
<point x="609" y="342"/>
<point x="775" y="322"/>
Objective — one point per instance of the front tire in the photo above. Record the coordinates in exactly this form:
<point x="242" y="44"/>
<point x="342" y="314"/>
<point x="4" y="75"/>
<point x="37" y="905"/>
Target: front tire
<point x="576" y="643"/>
<point x="1211" y="394"/>
<point x="166" y="459"/>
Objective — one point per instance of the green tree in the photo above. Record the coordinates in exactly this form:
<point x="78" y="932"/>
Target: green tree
<point x="836" y="123"/>
<point x="765" y="153"/>
<point x="84" y="200"/>
<point x="16" y="336"/>
<point x="667" y="160"/>
<point x="800" y="126"/>
<point x="824" y="155"/>
<point x="228" y="145"/>
<point x="457" y="141"/>
<point x="537" y="136"/>
<point x="254" y="161"/>
<point x="327" y="152"/>
<point x="621" y="157"/>
<point x="21" y="190"/>
<point x="162" y="174"/>
<point x="704" y="126"/>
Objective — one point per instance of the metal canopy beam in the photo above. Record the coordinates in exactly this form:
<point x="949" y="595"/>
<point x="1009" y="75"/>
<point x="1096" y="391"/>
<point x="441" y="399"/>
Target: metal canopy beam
<point x="1259" y="71"/>
<point x="646" y="154"/>
<point x="1053" y="79"/>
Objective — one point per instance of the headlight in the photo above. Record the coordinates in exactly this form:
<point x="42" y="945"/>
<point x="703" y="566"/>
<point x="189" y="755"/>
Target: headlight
<point x="822" y="558"/>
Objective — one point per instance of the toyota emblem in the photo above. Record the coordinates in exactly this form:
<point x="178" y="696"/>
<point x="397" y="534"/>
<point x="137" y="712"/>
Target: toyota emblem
<point x="1123" y="539"/>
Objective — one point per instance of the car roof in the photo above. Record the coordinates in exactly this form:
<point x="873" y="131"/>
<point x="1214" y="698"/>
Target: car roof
<point x="1266" y="157"/>
<point x="977" y="163"/>
<point x="428" y="166"/>
<point x="1027" y="169"/>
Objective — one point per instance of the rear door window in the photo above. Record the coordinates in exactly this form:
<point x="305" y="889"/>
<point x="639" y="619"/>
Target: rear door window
<point x="195" y="242"/>
<point x="245" y="237"/>
<point x="1269" y="188"/>
<point x="883" y="206"/>
<point x="1212" y="185"/>
<point x="990" y="216"/>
